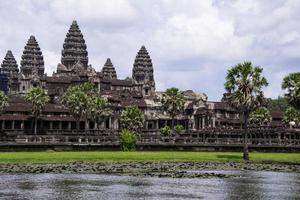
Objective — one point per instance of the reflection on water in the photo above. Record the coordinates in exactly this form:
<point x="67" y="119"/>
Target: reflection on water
<point x="248" y="185"/>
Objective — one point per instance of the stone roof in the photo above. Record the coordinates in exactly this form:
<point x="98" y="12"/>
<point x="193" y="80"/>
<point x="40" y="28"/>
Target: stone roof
<point x="121" y="83"/>
<point x="74" y="48"/>
<point x="108" y="70"/>
<point x="9" y="64"/>
<point x="32" y="59"/>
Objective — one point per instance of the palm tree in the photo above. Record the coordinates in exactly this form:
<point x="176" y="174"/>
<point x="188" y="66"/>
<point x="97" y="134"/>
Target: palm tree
<point x="244" y="85"/>
<point x="3" y="101"/>
<point x="291" y="83"/>
<point x="260" y="116"/>
<point x="173" y="102"/>
<point x="38" y="97"/>
<point x="132" y="118"/>
<point x="98" y="109"/>
<point x="78" y="100"/>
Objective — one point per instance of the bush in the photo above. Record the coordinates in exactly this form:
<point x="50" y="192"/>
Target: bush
<point x="178" y="128"/>
<point x="128" y="140"/>
<point x="165" y="131"/>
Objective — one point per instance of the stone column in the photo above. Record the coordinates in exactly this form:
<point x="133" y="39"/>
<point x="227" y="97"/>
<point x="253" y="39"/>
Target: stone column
<point x="60" y="125"/>
<point x="22" y="125"/>
<point x="213" y="121"/>
<point x="203" y="122"/>
<point x="3" y="124"/>
<point x="50" y="125"/>
<point x="13" y="125"/>
<point x="69" y="125"/>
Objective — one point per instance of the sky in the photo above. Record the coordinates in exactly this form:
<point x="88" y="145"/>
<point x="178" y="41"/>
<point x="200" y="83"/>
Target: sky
<point x="192" y="43"/>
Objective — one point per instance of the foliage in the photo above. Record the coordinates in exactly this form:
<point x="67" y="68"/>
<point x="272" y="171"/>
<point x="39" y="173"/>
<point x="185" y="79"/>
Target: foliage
<point x="291" y="114"/>
<point x="178" y="128"/>
<point x="128" y="140"/>
<point x="244" y="84"/>
<point x="291" y="83"/>
<point x="132" y="118"/>
<point x="3" y="101"/>
<point x="38" y="97"/>
<point x="280" y="104"/>
<point x="173" y="102"/>
<point x="260" y="116"/>
<point x="165" y="131"/>
<point x="83" y="101"/>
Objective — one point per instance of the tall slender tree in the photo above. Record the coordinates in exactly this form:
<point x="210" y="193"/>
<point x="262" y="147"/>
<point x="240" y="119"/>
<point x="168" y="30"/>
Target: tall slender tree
<point x="38" y="97"/>
<point x="98" y="109"/>
<point x="244" y="84"/>
<point x="3" y="101"/>
<point x="291" y="115"/>
<point x="173" y="103"/>
<point x="291" y="83"/>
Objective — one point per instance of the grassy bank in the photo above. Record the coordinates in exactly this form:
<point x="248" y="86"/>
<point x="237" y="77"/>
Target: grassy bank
<point x="62" y="157"/>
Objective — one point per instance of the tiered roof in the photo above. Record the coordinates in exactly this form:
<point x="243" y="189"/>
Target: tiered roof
<point x="32" y="59"/>
<point x="9" y="64"/>
<point x="108" y="70"/>
<point x="142" y="68"/>
<point x="74" y="48"/>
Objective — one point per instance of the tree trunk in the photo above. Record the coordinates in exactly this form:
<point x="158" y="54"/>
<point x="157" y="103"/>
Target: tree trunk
<point x="245" y="149"/>
<point x="173" y="122"/>
<point x="35" y="125"/>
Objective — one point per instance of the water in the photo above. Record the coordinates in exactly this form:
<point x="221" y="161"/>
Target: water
<point x="247" y="185"/>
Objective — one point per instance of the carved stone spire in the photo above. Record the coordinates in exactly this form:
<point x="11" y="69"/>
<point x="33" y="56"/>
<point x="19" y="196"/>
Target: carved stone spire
<point x="142" y="72"/>
<point x="32" y="58"/>
<point x="9" y="65"/>
<point x="108" y="70"/>
<point x="74" y="48"/>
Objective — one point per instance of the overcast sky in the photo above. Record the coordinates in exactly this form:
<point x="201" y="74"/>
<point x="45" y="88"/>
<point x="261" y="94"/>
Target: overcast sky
<point x="191" y="43"/>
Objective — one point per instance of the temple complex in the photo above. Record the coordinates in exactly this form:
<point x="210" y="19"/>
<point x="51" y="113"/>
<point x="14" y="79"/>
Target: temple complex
<point x="139" y="89"/>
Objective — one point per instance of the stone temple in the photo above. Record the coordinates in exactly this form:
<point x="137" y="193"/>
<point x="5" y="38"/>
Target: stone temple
<point x="74" y="68"/>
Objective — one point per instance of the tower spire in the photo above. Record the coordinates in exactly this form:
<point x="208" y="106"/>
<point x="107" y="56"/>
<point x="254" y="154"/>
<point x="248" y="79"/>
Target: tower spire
<point x="74" y="48"/>
<point x="9" y="65"/>
<point x="32" y="58"/>
<point x="108" y="70"/>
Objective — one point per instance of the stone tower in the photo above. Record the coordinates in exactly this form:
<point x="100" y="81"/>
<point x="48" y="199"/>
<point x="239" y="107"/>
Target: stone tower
<point x="32" y="58"/>
<point x="9" y="65"/>
<point x="108" y="70"/>
<point x="142" y="72"/>
<point x="74" y="48"/>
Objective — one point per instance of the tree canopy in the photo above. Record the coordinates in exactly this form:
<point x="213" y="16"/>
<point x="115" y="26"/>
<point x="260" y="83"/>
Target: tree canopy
<point x="260" y="116"/>
<point x="291" y="84"/>
<point x="3" y="101"/>
<point x="132" y="118"/>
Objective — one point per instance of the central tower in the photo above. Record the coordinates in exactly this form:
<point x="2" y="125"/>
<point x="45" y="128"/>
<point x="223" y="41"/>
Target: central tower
<point x="142" y="72"/>
<point x="74" y="48"/>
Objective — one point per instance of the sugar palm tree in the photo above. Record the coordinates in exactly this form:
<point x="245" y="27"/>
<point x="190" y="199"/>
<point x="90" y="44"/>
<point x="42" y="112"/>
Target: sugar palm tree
<point x="291" y="83"/>
<point x="260" y="116"/>
<point x="3" y="101"/>
<point x="244" y="84"/>
<point x="38" y="97"/>
<point x="173" y="102"/>
<point x="98" y="109"/>
<point x="291" y="115"/>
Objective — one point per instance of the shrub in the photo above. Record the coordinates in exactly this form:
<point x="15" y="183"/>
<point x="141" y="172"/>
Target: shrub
<point x="178" y="128"/>
<point x="165" y="131"/>
<point x="128" y="140"/>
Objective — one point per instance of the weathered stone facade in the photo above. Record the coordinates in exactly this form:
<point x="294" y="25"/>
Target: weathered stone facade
<point x="74" y="69"/>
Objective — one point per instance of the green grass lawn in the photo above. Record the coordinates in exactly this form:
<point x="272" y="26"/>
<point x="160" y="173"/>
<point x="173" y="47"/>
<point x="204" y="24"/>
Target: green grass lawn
<point x="61" y="157"/>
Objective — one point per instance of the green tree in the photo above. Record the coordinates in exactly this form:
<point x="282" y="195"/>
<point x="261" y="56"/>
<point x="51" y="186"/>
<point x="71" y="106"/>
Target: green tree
<point x="291" y="115"/>
<point x="291" y="83"/>
<point x="79" y="100"/>
<point x="173" y="103"/>
<point x="38" y="97"/>
<point x="98" y="109"/>
<point x="280" y="104"/>
<point x="128" y="140"/>
<point x="244" y="85"/>
<point x="132" y="119"/>
<point x="3" y="101"/>
<point x="260" y="116"/>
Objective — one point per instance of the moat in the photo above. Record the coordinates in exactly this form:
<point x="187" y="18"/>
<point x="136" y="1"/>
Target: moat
<point x="243" y="185"/>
